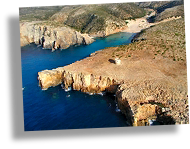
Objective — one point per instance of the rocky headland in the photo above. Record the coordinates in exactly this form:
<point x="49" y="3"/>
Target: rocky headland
<point x="51" y="37"/>
<point x="150" y="83"/>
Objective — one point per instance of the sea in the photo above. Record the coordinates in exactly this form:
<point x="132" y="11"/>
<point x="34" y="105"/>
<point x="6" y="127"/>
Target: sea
<point x="55" y="108"/>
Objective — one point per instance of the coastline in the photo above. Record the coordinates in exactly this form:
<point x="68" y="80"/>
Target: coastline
<point x="95" y="74"/>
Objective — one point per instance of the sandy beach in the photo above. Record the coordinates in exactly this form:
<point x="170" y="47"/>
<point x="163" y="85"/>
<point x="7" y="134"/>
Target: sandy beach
<point x="135" y="26"/>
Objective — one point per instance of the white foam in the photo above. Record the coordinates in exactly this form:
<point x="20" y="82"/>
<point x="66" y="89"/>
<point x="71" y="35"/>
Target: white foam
<point x="101" y="93"/>
<point x="151" y="122"/>
<point x="90" y="93"/>
<point x="117" y="109"/>
<point x="69" y="89"/>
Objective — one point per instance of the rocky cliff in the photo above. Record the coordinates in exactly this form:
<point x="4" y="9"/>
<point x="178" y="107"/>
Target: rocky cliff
<point x="146" y="90"/>
<point x="51" y="37"/>
<point x="79" y="81"/>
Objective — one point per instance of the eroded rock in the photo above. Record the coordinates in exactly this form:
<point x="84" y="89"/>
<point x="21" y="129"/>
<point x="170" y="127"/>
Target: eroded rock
<point x="51" y="37"/>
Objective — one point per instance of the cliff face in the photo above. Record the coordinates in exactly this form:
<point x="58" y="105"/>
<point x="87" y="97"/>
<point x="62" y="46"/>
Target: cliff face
<point x="51" y="37"/>
<point x="160" y="100"/>
<point x="84" y="82"/>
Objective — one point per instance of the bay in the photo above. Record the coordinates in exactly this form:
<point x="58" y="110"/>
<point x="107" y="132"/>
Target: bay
<point x="54" y="108"/>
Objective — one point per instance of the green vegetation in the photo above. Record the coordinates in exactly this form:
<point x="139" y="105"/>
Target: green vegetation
<point x="84" y="18"/>
<point x="165" y="39"/>
<point x="38" y="13"/>
<point x="171" y="12"/>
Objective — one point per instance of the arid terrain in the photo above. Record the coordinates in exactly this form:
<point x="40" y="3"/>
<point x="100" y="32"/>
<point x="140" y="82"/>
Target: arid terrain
<point x="150" y="83"/>
<point x="148" y="77"/>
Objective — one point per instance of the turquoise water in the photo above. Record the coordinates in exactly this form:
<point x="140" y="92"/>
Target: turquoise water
<point x="54" y="108"/>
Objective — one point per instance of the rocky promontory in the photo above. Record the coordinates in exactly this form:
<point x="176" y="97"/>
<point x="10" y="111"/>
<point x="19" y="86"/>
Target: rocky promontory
<point x="150" y="82"/>
<point x="51" y="37"/>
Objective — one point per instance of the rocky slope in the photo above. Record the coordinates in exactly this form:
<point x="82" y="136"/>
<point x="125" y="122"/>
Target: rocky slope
<point x="51" y="37"/>
<point x="160" y="6"/>
<point x="100" y="19"/>
<point x="170" y="12"/>
<point x="150" y="83"/>
<point x="29" y="14"/>
<point x="164" y="9"/>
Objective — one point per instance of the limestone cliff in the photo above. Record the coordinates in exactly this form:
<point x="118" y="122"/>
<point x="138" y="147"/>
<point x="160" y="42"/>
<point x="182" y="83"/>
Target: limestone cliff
<point x="51" y="37"/>
<point x="160" y="100"/>
<point x="80" y="81"/>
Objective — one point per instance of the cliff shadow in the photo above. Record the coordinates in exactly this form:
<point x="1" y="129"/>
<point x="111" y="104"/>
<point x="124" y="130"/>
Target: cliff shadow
<point x="151" y="19"/>
<point x="165" y="120"/>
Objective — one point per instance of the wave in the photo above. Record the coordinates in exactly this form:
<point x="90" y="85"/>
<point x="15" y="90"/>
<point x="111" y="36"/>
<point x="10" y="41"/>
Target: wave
<point x="69" y="89"/>
<point x="101" y="93"/>
<point x="117" y="109"/>
<point x="90" y="93"/>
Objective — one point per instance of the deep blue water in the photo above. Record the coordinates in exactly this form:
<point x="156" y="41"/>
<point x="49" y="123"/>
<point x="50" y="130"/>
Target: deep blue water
<point x="53" y="109"/>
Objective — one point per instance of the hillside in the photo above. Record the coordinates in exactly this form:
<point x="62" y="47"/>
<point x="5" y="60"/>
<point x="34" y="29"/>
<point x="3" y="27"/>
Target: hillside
<point x="37" y="13"/>
<point x="164" y="9"/>
<point x="166" y="39"/>
<point x="170" y="12"/>
<point x="97" y="20"/>
<point x="100" y="20"/>
<point x="160" y="6"/>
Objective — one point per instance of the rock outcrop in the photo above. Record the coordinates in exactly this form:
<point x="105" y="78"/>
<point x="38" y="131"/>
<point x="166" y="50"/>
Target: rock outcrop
<point x="146" y="90"/>
<point x="158" y="100"/>
<point x="79" y="81"/>
<point x="51" y="37"/>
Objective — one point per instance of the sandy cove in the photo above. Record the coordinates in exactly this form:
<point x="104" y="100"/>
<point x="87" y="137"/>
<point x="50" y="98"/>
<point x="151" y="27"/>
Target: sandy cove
<point x="135" y="26"/>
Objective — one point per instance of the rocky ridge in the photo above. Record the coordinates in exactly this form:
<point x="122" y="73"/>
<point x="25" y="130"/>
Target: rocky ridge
<point x="51" y="37"/>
